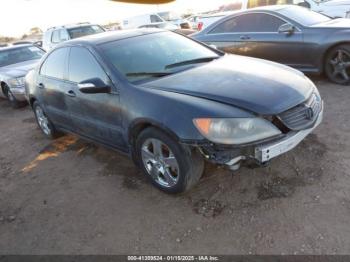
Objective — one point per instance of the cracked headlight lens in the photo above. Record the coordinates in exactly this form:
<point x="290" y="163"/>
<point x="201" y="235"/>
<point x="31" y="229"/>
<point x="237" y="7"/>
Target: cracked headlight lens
<point x="235" y="131"/>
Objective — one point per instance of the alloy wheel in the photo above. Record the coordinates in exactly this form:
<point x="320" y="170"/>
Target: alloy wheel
<point x="340" y="66"/>
<point x="160" y="162"/>
<point x="43" y="121"/>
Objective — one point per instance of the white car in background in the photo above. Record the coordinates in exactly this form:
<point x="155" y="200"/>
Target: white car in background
<point x="175" y="19"/>
<point x="58" y="34"/>
<point x="332" y="8"/>
<point x="140" y="20"/>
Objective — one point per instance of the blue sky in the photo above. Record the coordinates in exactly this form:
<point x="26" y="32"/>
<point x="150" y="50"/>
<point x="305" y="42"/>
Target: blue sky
<point x="18" y="16"/>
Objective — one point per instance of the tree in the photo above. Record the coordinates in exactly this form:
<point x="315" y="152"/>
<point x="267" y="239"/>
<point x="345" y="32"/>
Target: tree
<point x="36" y="31"/>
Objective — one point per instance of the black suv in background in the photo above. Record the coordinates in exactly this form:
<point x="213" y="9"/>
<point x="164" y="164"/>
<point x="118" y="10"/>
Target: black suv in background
<point x="59" y="34"/>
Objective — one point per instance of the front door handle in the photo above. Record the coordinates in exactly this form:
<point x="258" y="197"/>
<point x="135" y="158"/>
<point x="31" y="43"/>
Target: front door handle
<point x="41" y="86"/>
<point x="71" y="93"/>
<point x="244" y="37"/>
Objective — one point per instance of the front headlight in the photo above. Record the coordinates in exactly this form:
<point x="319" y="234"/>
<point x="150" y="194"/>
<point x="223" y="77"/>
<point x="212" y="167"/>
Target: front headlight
<point x="235" y="131"/>
<point x="16" y="82"/>
<point x="312" y="84"/>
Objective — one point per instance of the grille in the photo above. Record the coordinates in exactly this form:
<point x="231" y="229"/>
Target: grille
<point x="302" y="116"/>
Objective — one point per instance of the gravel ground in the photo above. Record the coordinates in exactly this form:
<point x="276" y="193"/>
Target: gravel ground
<point x="72" y="197"/>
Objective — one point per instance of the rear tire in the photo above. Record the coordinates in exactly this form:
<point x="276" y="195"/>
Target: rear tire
<point x="171" y="167"/>
<point x="44" y="123"/>
<point x="337" y="65"/>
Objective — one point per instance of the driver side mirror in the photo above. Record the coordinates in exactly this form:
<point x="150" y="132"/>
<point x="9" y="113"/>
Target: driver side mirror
<point x="93" y="86"/>
<point x="38" y="43"/>
<point x="286" y="29"/>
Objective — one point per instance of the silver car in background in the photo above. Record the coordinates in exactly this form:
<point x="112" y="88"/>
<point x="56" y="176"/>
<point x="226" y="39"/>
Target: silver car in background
<point x="15" y="62"/>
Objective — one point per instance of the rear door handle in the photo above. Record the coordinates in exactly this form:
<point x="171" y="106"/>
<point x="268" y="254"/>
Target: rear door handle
<point x="71" y="93"/>
<point x="41" y="86"/>
<point x="244" y="37"/>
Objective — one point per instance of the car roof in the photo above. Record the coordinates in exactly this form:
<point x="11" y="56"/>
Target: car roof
<point x="70" y="26"/>
<point x="226" y="13"/>
<point x="268" y="8"/>
<point x="110" y="36"/>
<point x="260" y="8"/>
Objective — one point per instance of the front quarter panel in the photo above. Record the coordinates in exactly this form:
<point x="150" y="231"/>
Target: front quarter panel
<point x="29" y="83"/>
<point x="171" y="112"/>
<point x="330" y="38"/>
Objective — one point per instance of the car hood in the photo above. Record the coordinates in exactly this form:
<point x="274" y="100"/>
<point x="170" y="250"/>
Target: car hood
<point x="19" y="69"/>
<point x="336" y="3"/>
<point x="335" y="23"/>
<point x="252" y="84"/>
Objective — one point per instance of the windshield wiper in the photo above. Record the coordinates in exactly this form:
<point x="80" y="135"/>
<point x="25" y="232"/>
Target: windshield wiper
<point x="193" y="61"/>
<point x="155" y="74"/>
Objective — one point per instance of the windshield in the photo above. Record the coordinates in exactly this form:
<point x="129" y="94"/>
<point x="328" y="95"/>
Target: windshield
<point x="84" y="31"/>
<point x="20" y="54"/>
<point x="304" y="16"/>
<point x="149" y="56"/>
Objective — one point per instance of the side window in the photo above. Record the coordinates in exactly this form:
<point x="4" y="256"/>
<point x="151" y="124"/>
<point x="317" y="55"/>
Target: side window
<point x="63" y="35"/>
<point x="155" y="19"/>
<point x="258" y="22"/>
<point x="54" y="65"/>
<point x="83" y="65"/>
<point x="229" y="26"/>
<point x="55" y="38"/>
<point x="268" y="23"/>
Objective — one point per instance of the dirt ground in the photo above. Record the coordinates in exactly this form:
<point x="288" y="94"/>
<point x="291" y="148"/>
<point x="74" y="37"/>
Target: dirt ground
<point x="72" y="197"/>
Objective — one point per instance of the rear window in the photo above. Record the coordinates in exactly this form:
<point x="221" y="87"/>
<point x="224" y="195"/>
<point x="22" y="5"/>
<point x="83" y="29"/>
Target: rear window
<point x="84" y="31"/>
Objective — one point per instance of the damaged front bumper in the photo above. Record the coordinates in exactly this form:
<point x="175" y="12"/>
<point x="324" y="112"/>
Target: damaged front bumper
<point x="18" y="93"/>
<point x="258" y="153"/>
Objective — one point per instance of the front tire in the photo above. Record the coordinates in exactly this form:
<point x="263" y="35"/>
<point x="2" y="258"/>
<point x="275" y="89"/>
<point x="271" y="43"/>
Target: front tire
<point x="337" y="65"/>
<point x="171" y="167"/>
<point x="44" y="122"/>
<point x="12" y="99"/>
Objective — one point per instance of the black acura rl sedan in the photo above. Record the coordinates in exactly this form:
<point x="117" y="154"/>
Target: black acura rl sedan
<point x="171" y="102"/>
<point x="287" y="34"/>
